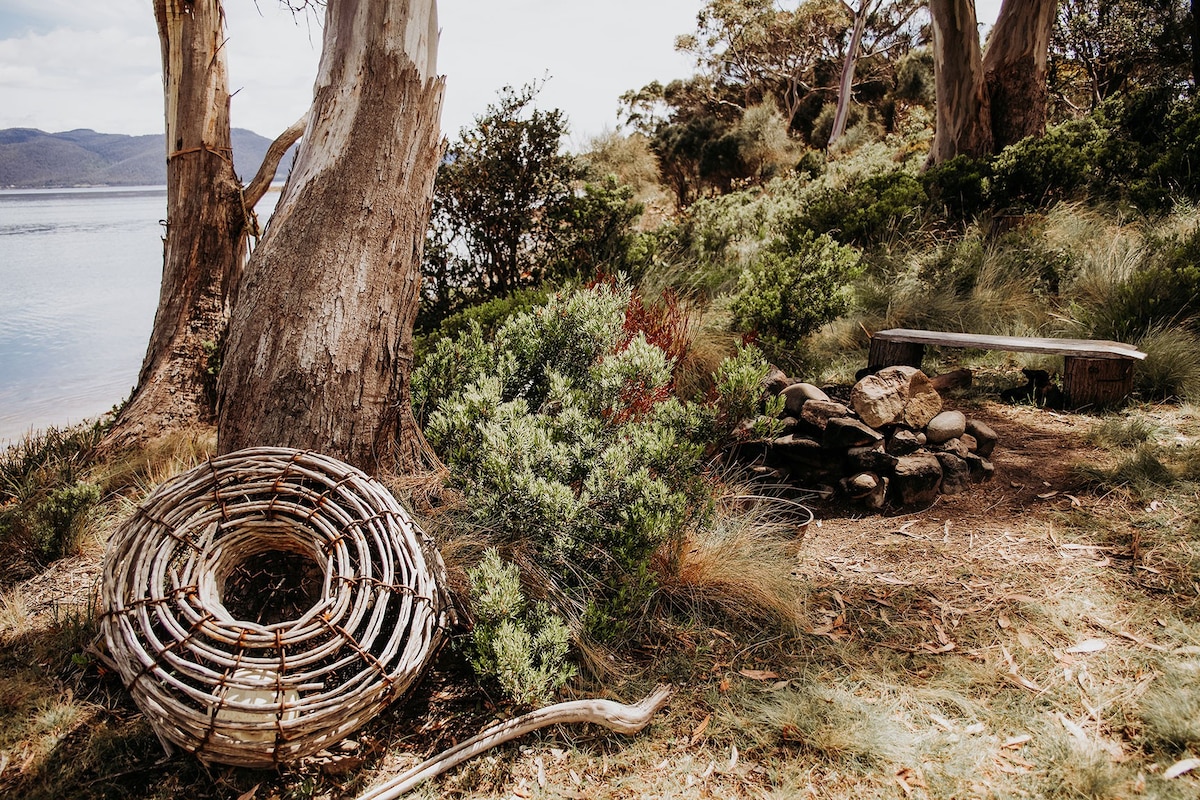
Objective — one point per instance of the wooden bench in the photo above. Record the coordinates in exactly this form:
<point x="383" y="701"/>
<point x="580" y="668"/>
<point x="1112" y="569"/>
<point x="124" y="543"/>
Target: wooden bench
<point x="1095" y="373"/>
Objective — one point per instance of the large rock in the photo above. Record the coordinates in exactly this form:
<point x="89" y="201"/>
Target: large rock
<point x="985" y="437"/>
<point x="946" y="426"/>
<point x="776" y="381"/>
<point x="842" y="433"/>
<point x="792" y="449"/>
<point x="903" y="441"/>
<point x="796" y="395"/>
<point x="917" y="479"/>
<point x="981" y="469"/>
<point x="896" y="396"/>
<point x="956" y="474"/>
<point x="869" y="459"/>
<point x="817" y="413"/>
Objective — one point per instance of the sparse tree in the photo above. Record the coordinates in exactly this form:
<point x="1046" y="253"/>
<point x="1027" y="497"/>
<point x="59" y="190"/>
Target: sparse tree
<point x="319" y="350"/>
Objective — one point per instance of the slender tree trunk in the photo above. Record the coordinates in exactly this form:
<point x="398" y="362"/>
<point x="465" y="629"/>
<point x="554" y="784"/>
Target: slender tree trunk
<point x="964" y="122"/>
<point x="1014" y="68"/>
<point x="320" y="342"/>
<point x="846" y="89"/>
<point x="202" y="248"/>
<point x="1195" y="40"/>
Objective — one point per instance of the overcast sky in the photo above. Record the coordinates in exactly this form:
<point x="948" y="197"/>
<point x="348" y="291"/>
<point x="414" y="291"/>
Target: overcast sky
<point x="68" y="64"/>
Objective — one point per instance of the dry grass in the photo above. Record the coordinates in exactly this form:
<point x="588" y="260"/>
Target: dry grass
<point x="1039" y="638"/>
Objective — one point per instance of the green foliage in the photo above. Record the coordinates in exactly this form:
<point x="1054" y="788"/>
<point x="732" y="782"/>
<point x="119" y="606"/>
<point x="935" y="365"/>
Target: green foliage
<point x="1163" y="290"/>
<point x="794" y="287"/>
<point x="501" y="195"/>
<point x="524" y="648"/>
<point x="563" y="436"/>
<point x="740" y="395"/>
<point x="958" y="187"/>
<point x="44" y="498"/>
<point x="866" y="212"/>
<point x="1039" y="170"/>
<point x="595" y="232"/>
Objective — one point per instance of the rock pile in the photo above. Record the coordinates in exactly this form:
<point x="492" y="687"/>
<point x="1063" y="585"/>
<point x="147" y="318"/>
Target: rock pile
<point x="890" y="443"/>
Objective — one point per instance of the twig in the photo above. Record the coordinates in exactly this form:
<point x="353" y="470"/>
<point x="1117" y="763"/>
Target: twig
<point x="619" y="717"/>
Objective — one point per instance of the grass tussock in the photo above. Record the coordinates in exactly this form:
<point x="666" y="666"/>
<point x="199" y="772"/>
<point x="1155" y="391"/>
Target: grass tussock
<point x="741" y="565"/>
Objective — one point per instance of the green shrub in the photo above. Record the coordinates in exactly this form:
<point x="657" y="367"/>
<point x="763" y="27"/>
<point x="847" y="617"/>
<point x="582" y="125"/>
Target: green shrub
<point x="866" y="212"/>
<point x="44" y="500"/>
<point x="958" y="187"/>
<point x="564" y="438"/>
<point x="524" y="648"/>
<point x="1037" y="171"/>
<point x="793" y="288"/>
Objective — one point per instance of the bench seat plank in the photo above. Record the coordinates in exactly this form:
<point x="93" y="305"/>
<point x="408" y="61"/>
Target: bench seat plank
<point x="1089" y="348"/>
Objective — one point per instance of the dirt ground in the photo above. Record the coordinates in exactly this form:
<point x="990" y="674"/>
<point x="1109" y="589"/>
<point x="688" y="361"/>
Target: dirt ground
<point x="1013" y="629"/>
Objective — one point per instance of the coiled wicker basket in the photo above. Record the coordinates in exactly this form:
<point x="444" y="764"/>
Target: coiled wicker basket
<point x="255" y="693"/>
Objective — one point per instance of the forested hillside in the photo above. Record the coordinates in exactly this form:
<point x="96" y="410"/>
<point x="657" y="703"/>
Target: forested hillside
<point x="32" y="159"/>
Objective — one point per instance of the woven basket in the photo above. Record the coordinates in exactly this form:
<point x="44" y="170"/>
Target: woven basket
<point x="253" y="694"/>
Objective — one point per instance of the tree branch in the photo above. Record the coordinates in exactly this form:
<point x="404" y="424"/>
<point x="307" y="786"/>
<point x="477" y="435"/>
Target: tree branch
<point x="619" y="717"/>
<point x="255" y="190"/>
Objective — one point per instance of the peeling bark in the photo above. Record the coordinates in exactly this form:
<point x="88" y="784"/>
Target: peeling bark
<point x="964" y="123"/>
<point x="1014" y="67"/>
<point x="320" y="342"/>
<point x="203" y="244"/>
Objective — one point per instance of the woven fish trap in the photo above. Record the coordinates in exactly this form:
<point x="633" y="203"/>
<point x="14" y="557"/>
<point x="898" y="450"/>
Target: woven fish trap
<point x="267" y="603"/>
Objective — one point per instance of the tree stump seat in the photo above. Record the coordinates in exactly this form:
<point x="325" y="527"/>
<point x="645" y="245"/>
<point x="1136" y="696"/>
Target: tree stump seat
<point x="1096" y="373"/>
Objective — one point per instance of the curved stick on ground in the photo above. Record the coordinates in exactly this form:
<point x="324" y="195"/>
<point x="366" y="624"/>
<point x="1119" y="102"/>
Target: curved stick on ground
<point x="615" y="716"/>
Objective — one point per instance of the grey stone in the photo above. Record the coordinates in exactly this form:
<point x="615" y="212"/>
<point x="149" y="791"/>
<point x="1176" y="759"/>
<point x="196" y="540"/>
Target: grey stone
<point x="946" y="426"/>
<point x="981" y="469"/>
<point x="969" y="441"/>
<point x="896" y="395"/>
<point x="793" y="449"/>
<point x="842" y="433"/>
<point x="796" y="395"/>
<point x="917" y="479"/>
<point x="955" y="447"/>
<point x="871" y="458"/>
<point x="860" y="485"/>
<point x="876" y="499"/>
<point x="817" y="413"/>
<point x="789" y="424"/>
<point x="985" y="437"/>
<point x="956" y="474"/>
<point x="776" y="381"/>
<point x="903" y="441"/>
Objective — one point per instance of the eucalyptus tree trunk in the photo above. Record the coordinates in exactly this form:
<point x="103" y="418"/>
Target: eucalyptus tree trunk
<point x="320" y="342"/>
<point x="208" y="218"/>
<point x="963" y="125"/>
<point x="1014" y="67"/>
<point x="202" y="245"/>
<point x="846" y="87"/>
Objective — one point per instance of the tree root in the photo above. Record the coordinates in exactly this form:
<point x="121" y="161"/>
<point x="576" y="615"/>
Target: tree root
<point x="628" y="719"/>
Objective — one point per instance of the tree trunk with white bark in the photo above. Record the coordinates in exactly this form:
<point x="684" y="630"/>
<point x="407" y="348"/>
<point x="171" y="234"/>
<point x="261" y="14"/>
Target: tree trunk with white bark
<point x="1014" y="68"/>
<point x="964" y="123"/>
<point x="319" y="348"/>
<point x="849" y="63"/>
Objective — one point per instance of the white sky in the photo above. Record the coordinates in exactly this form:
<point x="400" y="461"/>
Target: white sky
<point x="68" y="64"/>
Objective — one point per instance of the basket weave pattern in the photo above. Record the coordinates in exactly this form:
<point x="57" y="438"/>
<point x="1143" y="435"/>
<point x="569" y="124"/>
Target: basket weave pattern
<point x="250" y="694"/>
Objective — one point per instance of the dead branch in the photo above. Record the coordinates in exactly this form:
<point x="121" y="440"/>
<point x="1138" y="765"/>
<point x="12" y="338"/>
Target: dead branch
<point x="628" y="719"/>
<point x="255" y="190"/>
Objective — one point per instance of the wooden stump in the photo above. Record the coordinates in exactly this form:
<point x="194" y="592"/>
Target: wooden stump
<point x="886" y="353"/>
<point x="1096" y="382"/>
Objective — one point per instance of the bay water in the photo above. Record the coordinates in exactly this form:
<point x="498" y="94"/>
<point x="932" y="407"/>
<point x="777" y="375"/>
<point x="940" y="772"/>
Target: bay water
<point x="79" y="277"/>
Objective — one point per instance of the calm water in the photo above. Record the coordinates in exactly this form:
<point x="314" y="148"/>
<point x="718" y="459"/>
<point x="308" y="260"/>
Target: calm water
<point x="79" y="274"/>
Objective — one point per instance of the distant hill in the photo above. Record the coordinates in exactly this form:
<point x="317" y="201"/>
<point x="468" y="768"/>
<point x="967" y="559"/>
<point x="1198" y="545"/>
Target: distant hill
<point x="32" y="159"/>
